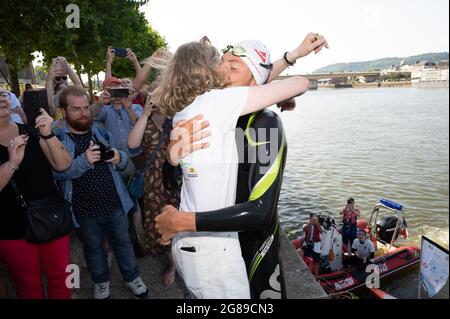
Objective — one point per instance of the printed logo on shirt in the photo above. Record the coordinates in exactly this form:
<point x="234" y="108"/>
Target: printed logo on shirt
<point x="192" y="172"/>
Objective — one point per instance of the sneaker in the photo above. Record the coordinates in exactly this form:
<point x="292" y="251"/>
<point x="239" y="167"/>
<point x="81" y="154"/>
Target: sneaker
<point x="102" y="291"/>
<point x="138" y="287"/>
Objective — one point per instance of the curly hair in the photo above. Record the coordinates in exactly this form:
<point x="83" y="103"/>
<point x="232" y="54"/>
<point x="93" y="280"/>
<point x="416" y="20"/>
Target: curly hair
<point x="192" y="71"/>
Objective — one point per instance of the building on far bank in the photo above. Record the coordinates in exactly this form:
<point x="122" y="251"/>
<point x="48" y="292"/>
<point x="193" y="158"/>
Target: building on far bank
<point x="428" y="74"/>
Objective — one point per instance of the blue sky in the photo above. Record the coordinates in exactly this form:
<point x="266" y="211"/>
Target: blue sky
<point x="357" y="30"/>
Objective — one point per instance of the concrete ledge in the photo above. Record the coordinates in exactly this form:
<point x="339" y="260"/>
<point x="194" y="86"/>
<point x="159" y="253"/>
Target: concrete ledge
<point x="300" y="283"/>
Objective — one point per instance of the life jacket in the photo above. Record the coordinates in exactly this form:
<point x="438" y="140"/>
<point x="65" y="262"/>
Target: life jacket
<point x="315" y="236"/>
<point x="349" y="216"/>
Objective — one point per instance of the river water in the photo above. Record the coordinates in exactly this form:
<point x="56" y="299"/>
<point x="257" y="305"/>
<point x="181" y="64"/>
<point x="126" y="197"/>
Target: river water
<point x="368" y="144"/>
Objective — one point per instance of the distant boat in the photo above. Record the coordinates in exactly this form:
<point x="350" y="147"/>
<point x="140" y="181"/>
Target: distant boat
<point x="385" y="225"/>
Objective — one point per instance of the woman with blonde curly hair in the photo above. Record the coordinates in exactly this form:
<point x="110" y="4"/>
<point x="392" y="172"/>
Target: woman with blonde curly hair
<point x="210" y="263"/>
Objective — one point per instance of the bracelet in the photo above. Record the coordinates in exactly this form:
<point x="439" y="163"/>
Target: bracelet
<point x="286" y="59"/>
<point x="47" y="137"/>
<point x="12" y="166"/>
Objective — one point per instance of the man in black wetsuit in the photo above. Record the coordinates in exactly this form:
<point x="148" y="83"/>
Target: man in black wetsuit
<point x="262" y="151"/>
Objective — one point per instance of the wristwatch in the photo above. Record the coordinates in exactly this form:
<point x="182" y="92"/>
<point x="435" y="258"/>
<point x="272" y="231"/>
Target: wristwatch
<point x="47" y="137"/>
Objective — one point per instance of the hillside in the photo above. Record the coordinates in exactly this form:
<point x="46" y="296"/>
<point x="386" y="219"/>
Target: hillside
<point x="381" y="64"/>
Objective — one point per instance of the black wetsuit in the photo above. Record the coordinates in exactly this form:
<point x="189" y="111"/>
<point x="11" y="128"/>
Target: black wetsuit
<point x="255" y="214"/>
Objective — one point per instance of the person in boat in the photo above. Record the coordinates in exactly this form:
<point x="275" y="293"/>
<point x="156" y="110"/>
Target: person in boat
<point x="349" y="215"/>
<point x="363" y="250"/>
<point x="312" y="246"/>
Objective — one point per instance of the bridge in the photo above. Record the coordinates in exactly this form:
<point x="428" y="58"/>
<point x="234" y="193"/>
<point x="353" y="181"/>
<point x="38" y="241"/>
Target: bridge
<point x="315" y="77"/>
<point x="322" y="76"/>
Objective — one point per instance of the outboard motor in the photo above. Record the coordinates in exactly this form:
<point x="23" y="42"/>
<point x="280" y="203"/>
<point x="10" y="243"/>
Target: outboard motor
<point x="326" y="221"/>
<point x="385" y="228"/>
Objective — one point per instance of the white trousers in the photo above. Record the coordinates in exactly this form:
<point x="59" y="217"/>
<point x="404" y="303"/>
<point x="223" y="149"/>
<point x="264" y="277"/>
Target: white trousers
<point x="212" y="267"/>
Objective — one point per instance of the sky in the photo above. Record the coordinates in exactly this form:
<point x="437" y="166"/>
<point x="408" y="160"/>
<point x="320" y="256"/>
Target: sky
<point x="357" y="30"/>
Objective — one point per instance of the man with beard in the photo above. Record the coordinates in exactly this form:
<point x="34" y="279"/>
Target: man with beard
<point x="98" y="197"/>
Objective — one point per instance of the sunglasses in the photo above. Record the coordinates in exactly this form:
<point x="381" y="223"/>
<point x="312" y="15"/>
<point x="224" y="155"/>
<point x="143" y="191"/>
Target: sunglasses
<point x="242" y="53"/>
<point x="59" y="78"/>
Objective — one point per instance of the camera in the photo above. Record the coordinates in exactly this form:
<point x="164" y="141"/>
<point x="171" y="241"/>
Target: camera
<point x="119" y="92"/>
<point x="106" y="152"/>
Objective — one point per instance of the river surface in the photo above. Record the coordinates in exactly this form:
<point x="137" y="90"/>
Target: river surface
<point x="370" y="144"/>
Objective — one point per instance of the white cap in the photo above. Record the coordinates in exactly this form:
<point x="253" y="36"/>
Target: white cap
<point x="256" y="54"/>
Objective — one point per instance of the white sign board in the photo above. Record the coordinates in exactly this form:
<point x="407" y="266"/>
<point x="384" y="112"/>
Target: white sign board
<point x="434" y="267"/>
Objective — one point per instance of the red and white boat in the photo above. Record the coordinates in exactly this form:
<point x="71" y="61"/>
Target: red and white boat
<point x="390" y="257"/>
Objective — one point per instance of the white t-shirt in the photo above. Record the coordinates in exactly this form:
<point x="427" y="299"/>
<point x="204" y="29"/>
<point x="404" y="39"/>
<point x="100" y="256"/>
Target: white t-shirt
<point x="210" y="175"/>
<point x="364" y="249"/>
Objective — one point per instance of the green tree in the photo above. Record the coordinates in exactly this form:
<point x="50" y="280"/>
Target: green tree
<point x="28" y="26"/>
<point x="116" y="23"/>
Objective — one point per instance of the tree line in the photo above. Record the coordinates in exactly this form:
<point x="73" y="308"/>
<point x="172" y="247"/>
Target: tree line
<point x="30" y="26"/>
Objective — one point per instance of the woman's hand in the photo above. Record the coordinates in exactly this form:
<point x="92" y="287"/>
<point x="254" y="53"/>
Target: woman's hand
<point x="188" y="137"/>
<point x="16" y="149"/>
<point x="44" y="123"/>
<point x="149" y="107"/>
<point x="131" y="56"/>
<point x="110" y="54"/>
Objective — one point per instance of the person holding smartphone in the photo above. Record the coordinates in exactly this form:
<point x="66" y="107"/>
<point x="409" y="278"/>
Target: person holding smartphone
<point x="28" y="162"/>
<point x="57" y="80"/>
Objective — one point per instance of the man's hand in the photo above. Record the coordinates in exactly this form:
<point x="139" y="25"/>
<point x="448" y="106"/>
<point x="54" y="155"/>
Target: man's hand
<point x="116" y="159"/>
<point x="110" y="54"/>
<point x="44" y="123"/>
<point x="171" y="221"/>
<point x="188" y="137"/>
<point x="105" y="98"/>
<point x="93" y="154"/>
<point x="312" y="42"/>
<point x="127" y="102"/>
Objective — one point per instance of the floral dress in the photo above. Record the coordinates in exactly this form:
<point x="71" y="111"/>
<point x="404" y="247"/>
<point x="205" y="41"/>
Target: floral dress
<point x="156" y="196"/>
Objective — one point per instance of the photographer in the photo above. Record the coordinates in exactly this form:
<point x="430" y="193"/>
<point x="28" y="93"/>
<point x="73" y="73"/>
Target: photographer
<point x="26" y="163"/>
<point x="117" y="114"/>
<point x="97" y="194"/>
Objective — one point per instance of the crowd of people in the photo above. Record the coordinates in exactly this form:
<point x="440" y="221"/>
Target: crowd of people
<point x="162" y="156"/>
